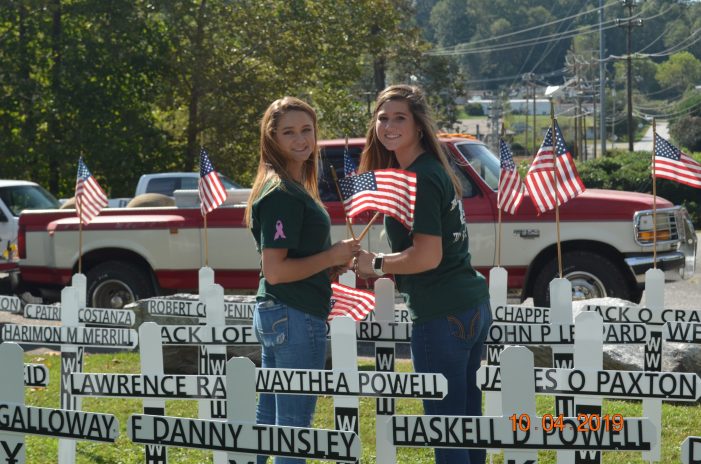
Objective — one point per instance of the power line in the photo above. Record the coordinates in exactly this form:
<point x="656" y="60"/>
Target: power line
<point x="557" y="72"/>
<point x="545" y="53"/>
<point x="524" y="43"/>
<point x="669" y="115"/>
<point x="540" y="26"/>
<point x="583" y="30"/>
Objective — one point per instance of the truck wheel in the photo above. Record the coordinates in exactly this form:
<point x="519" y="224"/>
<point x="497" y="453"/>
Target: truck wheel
<point x="115" y="284"/>
<point x="591" y="274"/>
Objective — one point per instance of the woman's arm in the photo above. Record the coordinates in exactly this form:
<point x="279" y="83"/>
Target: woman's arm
<point x="425" y="254"/>
<point x="278" y="268"/>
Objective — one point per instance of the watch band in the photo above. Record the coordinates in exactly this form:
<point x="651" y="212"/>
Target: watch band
<point x="377" y="263"/>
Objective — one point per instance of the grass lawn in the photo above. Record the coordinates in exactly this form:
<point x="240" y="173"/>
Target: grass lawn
<point x="678" y="421"/>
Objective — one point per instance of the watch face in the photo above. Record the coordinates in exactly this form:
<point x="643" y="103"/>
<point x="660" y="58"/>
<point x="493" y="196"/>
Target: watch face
<point x="377" y="263"/>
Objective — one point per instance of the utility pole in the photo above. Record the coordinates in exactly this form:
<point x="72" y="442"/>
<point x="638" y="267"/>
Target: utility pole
<point x="529" y="81"/>
<point x="496" y="113"/>
<point x="628" y="24"/>
<point x="535" y="142"/>
<point x="577" y="108"/>
<point x="593" y="100"/>
<point x="525" y="79"/>
<point x="602" y="82"/>
<point x="613" y="113"/>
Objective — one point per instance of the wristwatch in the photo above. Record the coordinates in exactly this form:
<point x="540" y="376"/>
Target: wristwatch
<point x="377" y="263"/>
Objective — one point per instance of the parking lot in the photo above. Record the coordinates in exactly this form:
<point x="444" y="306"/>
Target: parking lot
<point x="685" y="294"/>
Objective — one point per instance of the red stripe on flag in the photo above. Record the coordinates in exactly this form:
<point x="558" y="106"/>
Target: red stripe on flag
<point x="351" y="302"/>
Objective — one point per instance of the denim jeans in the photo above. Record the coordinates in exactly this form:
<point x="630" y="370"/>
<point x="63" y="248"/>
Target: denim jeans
<point x="452" y="345"/>
<point x="290" y="339"/>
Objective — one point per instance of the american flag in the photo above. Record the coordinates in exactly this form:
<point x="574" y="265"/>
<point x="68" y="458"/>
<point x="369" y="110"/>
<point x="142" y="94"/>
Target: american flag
<point x="348" y="164"/>
<point x="540" y="180"/>
<point x="89" y="196"/>
<point x="389" y="191"/>
<point x="672" y="164"/>
<point x="349" y="301"/>
<point x="211" y="190"/>
<point x="510" y="186"/>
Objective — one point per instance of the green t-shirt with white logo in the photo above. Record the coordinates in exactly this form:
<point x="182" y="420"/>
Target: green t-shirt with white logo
<point x="454" y="285"/>
<point x="286" y="216"/>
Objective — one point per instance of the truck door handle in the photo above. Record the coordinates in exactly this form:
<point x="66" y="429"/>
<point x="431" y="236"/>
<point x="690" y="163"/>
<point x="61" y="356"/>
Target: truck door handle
<point x="527" y="233"/>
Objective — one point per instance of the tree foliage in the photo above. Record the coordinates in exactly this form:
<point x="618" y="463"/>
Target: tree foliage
<point x="687" y="132"/>
<point x="138" y="86"/>
<point x="682" y="71"/>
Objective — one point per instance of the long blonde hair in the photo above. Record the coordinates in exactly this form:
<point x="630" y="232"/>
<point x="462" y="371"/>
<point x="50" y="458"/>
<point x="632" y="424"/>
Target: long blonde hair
<point x="272" y="164"/>
<point x="376" y="156"/>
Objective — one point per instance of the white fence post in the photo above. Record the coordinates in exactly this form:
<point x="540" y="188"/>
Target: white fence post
<point x="12" y="448"/>
<point x="385" y="354"/>
<point x="71" y="361"/>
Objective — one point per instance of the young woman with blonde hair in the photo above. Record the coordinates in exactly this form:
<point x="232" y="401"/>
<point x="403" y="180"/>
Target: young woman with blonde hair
<point x="292" y="233"/>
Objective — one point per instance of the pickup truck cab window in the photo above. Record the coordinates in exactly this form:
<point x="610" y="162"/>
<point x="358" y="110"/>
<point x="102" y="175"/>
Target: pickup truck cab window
<point x="483" y="161"/>
<point x="166" y="185"/>
<point x="25" y="197"/>
<point x="333" y="156"/>
<point x="469" y="189"/>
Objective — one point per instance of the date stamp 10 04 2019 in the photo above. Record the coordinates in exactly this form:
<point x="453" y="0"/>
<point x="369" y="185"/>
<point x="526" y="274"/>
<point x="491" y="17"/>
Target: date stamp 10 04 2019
<point x="583" y="423"/>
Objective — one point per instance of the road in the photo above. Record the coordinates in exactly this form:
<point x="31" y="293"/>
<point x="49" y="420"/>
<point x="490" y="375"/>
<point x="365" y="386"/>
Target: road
<point x="480" y="125"/>
<point x="685" y="294"/>
<point x="645" y="144"/>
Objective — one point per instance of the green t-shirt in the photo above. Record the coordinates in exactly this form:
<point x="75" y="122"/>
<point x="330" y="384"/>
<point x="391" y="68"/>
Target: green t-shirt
<point x="286" y="216"/>
<point x="454" y="285"/>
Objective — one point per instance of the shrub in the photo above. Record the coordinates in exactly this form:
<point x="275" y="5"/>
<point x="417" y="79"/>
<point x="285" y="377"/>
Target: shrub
<point x="687" y="132"/>
<point x="474" y="109"/>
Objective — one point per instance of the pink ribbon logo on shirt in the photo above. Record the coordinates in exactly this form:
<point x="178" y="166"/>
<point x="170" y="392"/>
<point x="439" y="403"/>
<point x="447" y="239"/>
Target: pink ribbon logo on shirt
<point x="279" y="233"/>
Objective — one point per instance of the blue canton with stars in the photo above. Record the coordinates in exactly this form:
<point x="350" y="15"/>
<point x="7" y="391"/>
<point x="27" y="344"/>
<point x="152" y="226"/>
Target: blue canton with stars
<point x="205" y="164"/>
<point x="355" y="184"/>
<point x="348" y="165"/>
<point x="665" y="149"/>
<point x="83" y="172"/>
<point x="548" y="140"/>
<point x="506" y="160"/>
<point x="560" y="147"/>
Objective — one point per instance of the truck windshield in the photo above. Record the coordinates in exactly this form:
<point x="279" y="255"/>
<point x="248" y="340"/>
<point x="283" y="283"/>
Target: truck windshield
<point x="484" y="162"/>
<point x="166" y="185"/>
<point x="21" y="197"/>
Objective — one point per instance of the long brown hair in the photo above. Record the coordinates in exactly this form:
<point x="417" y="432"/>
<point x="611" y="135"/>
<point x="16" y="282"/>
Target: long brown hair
<point x="272" y="164"/>
<point x="376" y="156"/>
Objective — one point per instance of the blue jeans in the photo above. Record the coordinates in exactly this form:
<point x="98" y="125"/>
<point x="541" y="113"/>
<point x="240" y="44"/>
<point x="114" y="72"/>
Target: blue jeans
<point x="290" y="339"/>
<point x="452" y="345"/>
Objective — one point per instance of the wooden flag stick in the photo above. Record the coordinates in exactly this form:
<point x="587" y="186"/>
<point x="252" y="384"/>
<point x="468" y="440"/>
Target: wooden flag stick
<point x="340" y="197"/>
<point x="503" y="132"/>
<point x="654" y="196"/>
<point x="557" y="200"/>
<point x="367" y="227"/>
<point x="206" y="243"/>
<point x="79" y="203"/>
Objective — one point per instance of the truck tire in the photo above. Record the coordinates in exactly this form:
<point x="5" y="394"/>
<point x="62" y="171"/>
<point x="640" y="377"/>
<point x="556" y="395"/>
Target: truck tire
<point x="114" y="284"/>
<point x="592" y="276"/>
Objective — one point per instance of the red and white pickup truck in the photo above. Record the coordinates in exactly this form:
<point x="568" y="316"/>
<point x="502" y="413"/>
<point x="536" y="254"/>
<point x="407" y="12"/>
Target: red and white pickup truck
<point x="133" y="253"/>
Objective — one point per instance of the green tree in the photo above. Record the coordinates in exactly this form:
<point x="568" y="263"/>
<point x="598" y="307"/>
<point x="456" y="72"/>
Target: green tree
<point x="681" y="71"/>
<point x="644" y="72"/>
<point x="687" y="132"/>
<point x="83" y="77"/>
<point x="227" y="66"/>
<point x="451" y="23"/>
